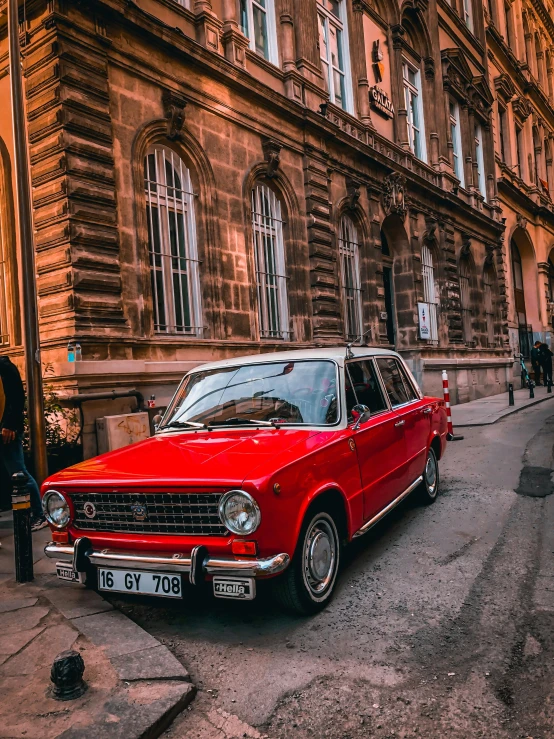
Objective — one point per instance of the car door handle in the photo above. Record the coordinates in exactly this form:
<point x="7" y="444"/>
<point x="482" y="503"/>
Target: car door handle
<point x="427" y="410"/>
<point x="399" y="423"/>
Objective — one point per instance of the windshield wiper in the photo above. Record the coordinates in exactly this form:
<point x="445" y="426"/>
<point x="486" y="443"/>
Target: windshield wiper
<point x="238" y="421"/>
<point x="185" y="424"/>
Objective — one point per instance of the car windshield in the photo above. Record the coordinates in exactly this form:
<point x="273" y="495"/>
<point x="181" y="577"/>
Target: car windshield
<point x="302" y="392"/>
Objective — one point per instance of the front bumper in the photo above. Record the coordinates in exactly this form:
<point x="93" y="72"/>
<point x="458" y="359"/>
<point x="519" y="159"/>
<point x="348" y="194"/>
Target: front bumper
<point x="197" y="565"/>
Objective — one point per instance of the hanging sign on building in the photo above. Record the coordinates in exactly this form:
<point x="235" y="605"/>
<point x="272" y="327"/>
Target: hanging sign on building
<point x="379" y="100"/>
<point x="424" y="327"/>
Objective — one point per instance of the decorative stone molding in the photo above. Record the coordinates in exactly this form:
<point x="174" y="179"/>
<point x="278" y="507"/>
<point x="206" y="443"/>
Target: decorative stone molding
<point x="456" y="72"/>
<point x="394" y="195"/>
<point x="522" y="108"/>
<point x="429" y="67"/>
<point x="504" y="86"/>
<point x="465" y="251"/>
<point x="489" y="256"/>
<point x="430" y="235"/>
<point x="521" y="221"/>
<point x="174" y="107"/>
<point x="353" y="193"/>
<point x="272" y="156"/>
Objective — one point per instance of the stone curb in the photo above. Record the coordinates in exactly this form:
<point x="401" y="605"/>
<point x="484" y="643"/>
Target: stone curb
<point x="507" y="412"/>
<point x="140" y="661"/>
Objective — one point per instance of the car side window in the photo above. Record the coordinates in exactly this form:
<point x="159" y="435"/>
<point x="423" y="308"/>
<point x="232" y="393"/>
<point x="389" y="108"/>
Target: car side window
<point x="394" y="384"/>
<point x="408" y="384"/>
<point x="363" y="388"/>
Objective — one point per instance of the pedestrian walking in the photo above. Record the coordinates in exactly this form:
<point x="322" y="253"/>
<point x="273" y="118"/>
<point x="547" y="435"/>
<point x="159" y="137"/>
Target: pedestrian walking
<point x="545" y="356"/>
<point x="536" y="362"/>
<point x="12" y="405"/>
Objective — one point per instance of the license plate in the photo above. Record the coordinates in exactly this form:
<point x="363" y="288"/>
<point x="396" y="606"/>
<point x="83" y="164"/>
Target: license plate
<point x="66" y="572"/>
<point x="146" y="583"/>
<point x="238" y="588"/>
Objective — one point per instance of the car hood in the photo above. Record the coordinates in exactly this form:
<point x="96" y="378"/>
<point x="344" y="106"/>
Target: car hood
<point x="214" y="458"/>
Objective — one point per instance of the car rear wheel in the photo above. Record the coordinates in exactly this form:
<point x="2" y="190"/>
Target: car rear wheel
<point x="308" y="584"/>
<point x="429" y="488"/>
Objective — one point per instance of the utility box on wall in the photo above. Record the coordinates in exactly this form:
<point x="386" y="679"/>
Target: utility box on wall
<point x="114" y="432"/>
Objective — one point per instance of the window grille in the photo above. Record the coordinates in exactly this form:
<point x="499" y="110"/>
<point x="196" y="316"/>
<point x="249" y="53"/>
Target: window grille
<point x="489" y="305"/>
<point x="412" y="93"/>
<point x="430" y="291"/>
<point x="174" y="265"/>
<point x="465" y="301"/>
<point x="333" y="50"/>
<point x="269" y="254"/>
<point x="349" y="253"/>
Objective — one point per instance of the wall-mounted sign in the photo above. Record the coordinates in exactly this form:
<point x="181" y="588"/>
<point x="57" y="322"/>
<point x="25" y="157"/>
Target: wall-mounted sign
<point x="380" y="101"/>
<point x="424" y="326"/>
<point x="378" y="66"/>
<point x="383" y="315"/>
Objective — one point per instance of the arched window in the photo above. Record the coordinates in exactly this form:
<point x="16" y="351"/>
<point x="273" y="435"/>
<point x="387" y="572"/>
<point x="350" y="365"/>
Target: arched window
<point x="172" y="243"/>
<point x="269" y="256"/>
<point x="430" y="293"/>
<point x="465" y="300"/>
<point x="349" y="255"/>
<point x="490" y="310"/>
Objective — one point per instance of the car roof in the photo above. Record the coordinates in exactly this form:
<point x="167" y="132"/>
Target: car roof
<point x="335" y="353"/>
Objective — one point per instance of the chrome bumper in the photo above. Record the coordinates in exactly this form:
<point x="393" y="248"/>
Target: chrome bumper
<point x="195" y="564"/>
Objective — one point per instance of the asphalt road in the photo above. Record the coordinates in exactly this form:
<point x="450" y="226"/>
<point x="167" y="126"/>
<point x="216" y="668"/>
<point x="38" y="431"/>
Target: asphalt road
<point x="441" y="626"/>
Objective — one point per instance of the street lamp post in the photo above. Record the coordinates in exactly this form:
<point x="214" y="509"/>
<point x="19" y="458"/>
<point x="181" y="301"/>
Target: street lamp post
<point x="28" y="273"/>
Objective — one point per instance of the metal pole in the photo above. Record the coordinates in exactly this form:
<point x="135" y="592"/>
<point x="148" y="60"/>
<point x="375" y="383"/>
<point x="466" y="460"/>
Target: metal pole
<point x="511" y="394"/>
<point x="33" y="372"/>
<point x="22" y="536"/>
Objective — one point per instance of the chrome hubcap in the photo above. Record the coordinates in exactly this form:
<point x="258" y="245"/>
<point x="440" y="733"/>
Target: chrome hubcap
<point x="319" y="555"/>
<point x="431" y="474"/>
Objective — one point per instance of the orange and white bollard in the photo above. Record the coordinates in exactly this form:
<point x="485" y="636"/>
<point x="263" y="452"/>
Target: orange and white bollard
<point x="450" y="435"/>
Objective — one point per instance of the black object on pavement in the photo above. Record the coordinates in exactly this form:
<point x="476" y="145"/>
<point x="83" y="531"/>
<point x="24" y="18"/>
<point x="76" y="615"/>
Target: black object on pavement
<point x="23" y="540"/>
<point x="511" y="400"/>
<point x="67" y="676"/>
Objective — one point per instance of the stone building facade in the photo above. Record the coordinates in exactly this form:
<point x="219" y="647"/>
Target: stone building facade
<point x="520" y="38"/>
<point x="220" y="177"/>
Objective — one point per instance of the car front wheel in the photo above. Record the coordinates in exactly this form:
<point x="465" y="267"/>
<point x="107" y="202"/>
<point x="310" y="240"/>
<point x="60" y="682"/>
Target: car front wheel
<point x="429" y="488"/>
<point x="308" y="584"/>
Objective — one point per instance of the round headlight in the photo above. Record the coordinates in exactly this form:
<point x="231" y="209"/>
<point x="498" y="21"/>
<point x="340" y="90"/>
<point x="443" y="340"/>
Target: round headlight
<point x="239" y="512"/>
<point x="56" y="509"/>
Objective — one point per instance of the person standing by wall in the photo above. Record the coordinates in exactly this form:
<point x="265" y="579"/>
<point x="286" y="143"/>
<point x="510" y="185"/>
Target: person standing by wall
<point x="12" y="405"/>
<point x="536" y="362"/>
<point x="545" y="356"/>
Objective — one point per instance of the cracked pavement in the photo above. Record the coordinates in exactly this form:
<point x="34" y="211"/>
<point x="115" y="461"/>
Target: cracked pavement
<point x="441" y="625"/>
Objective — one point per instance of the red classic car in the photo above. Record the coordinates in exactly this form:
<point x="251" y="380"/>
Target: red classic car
<point x="261" y="467"/>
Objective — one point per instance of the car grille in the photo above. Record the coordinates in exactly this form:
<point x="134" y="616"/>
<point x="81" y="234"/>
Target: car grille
<point x="153" y="513"/>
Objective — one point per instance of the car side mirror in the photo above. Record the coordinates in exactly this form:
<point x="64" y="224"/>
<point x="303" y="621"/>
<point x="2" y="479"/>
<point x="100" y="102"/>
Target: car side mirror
<point x="363" y="412"/>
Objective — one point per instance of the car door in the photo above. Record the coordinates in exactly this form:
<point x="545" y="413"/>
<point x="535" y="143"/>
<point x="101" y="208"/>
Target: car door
<point x="413" y="413"/>
<point x="378" y="438"/>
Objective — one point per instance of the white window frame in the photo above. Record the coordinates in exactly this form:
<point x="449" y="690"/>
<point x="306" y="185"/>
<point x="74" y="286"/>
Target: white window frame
<point x="481" y="179"/>
<point x="176" y="258"/>
<point x="271" y="28"/>
<point x="430" y="292"/>
<point x="184" y="3"/>
<point x="341" y="24"/>
<point x="414" y="92"/>
<point x="351" y="281"/>
<point x="269" y="259"/>
<point x="456" y="135"/>
<point x="468" y="14"/>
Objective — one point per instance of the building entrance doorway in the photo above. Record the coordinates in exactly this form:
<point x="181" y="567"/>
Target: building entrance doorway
<point x="525" y="332"/>
<point x="388" y="284"/>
